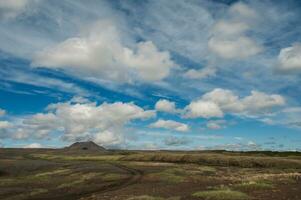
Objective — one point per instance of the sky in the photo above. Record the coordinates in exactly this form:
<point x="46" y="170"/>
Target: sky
<point x="129" y="74"/>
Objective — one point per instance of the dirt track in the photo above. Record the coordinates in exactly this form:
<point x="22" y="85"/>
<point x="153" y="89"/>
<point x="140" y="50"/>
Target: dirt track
<point x="135" y="177"/>
<point x="100" y="193"/>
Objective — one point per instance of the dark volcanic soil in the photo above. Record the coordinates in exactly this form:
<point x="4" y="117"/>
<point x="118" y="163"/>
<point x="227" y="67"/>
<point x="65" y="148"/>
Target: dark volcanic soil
<point x="57" y="174"/>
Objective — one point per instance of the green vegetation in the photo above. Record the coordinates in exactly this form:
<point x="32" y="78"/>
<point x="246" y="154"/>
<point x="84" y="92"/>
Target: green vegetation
<point x="252" y="185"/>
<point x="38" y="191"/>
<point x="55" y="172"/>
<point x="173" y="175"/>
<point x="146" y="197"/>
<point x="71" y="184"/>
<point x="78" y="158"/>
<point x="247" y="160"/>
<point x="223" y="194"/>
<point x="80" y="178"/>
<point x="206" y="170"/>
<point x="147" y="175"/>
<point x="217" y="159"/>
<point x="112" y="177"/>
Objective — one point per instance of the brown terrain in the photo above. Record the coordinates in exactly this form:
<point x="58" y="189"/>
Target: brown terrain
<point x="86" y="171"/>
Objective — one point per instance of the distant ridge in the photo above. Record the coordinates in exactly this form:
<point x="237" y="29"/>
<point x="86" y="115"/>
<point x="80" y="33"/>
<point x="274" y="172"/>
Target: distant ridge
<point x="85" y="146"/>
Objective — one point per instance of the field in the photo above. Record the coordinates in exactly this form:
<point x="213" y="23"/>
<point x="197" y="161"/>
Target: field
<point x="149" y="175"/>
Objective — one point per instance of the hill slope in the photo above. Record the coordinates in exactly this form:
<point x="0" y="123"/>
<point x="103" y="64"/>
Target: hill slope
<point x="85" y="146"/>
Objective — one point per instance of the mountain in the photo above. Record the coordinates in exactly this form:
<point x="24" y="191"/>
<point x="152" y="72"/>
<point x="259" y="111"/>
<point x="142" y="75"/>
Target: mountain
<point x="85" y="146"/>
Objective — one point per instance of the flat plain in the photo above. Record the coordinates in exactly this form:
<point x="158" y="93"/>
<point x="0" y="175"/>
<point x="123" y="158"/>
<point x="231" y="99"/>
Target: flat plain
<point x="149" y="175"/>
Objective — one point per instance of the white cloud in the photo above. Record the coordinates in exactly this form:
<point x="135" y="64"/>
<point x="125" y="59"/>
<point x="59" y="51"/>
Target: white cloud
<point x="33" y="145"/>
<point x="220" y="101"/>
<point x="225" y="99"/>
<point x="289" y="116"/>
<point x="216" y="124"/>
<point x="238" y="48"/>
<point x="170" y="124"/>
<point x="267" y="121"/>
<point x="229" y="40"/>
<point x="4" y="127"/>
<point x="290" y="58"/>
<point x="2" y="112"/>
<point x="259" y="102"/>
<point x="85" y="119"/>
<point x="12" y="8"/>
<point x="27" y="77"/>
<point x="204" y="109"/>
<point x="201" y="73"/>
<point x="292" y="110"/>
<point x="101" y="54"/>
<point x="5" y="124"/>
<point x="228" y="28"/>
<point x="164" y="105"/>
<point x="243" y="10"/>
<point x="82" y="120"/>
<point x="238" y="138"/>
<point x="108" y="137"/>
<point x="165" y="17"/>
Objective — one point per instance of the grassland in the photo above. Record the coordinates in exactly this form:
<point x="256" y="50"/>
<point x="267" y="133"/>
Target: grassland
<point x="149" y="175"/>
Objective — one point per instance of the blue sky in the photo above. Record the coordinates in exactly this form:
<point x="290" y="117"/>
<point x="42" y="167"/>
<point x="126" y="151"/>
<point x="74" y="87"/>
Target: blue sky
<point x="151" y="74"/>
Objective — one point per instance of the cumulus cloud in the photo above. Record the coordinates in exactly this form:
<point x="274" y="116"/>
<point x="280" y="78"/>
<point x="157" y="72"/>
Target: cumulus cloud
<point x="164" y="105"/>
<point x="170" y="124"/>
<point x="204" y="109"/>
<point x="33" y="145"/>
<point x="201" y="73"/>
<point x="82" y="120"/>
<point x="225" y="99"/>
<point x="259" y="102"/>
<point x="108" y="137"/>
<point x="101" y="54"/>
<point x="220" y="101"/>
<point x="290" y="58"/>
<point x="229" y="40"/>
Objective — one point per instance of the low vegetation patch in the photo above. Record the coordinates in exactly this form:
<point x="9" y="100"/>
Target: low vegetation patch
<point x="112" y="177"/>
<point x="173" y="175"/>
<point x="202" y="170"/>
<point x="217" y="160"/>
<point x="70" y="184"/>
<point x="252" y="185"/>
<point x="78" y="158"/>
<point x="38" y="191"/>
<point x="223" y="194"/>
<point x="146" y="197"/>
<point x="55" y="172"/>
<point x="81" y="178"/>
